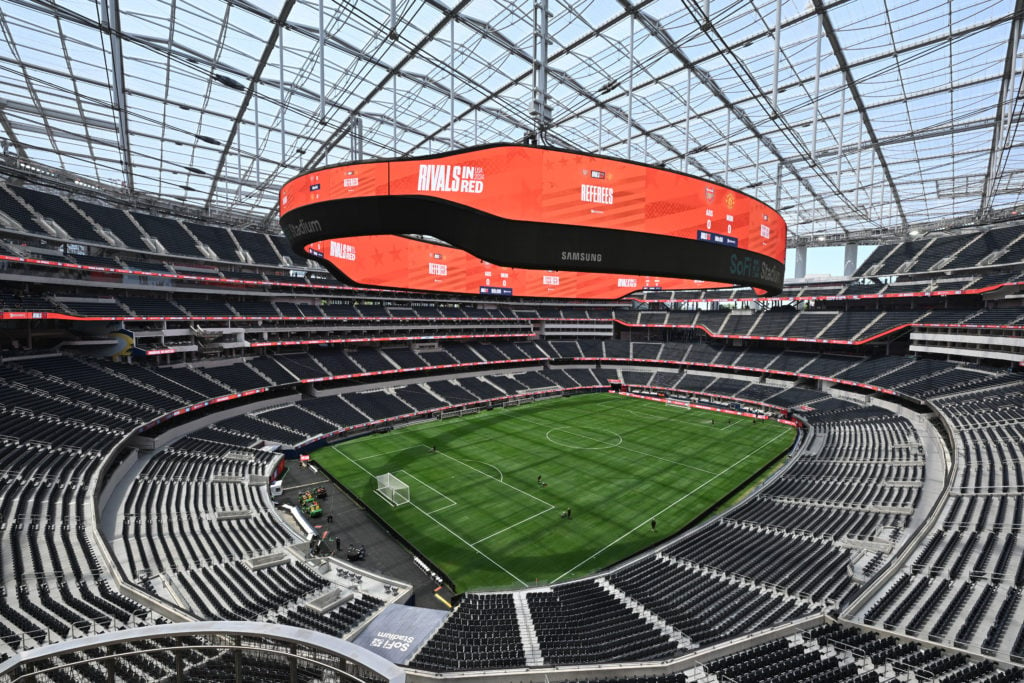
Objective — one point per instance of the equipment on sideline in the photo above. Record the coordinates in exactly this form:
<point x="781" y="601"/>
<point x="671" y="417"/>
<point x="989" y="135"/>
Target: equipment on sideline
<point x="392" y="489"/>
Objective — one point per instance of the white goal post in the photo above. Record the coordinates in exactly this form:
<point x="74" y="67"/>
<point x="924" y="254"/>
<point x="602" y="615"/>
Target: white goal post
<point x="392" y="489"/>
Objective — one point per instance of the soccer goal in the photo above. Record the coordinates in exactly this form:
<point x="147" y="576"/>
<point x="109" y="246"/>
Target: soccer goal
<point x="392" y="489"/>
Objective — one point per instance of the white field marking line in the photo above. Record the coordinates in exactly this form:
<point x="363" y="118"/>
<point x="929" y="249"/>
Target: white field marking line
<point x="659" y="420"/>
<point x="602" y="446"/>
<point x="343" y="454"/>
<point x="646" y="455"/>
<point x="512" y="526"/>
<point x="666" y="508"/>
<point x="404" y="429"/>
<point x="501" y="475"/>
<point x="729" y="425"/>
<point x="408" y="429"/>
<point x="435" y="521"/>
<point x="646" y="416"/>
<point x="451" y="503"/>
<point x="471" y="546"/>
<point x="391" y="452"/>
<point x="708" y="425"/>
<point x="500" y="479"/>
<point x="489" y="476"/>
<point x="548" y="506"/>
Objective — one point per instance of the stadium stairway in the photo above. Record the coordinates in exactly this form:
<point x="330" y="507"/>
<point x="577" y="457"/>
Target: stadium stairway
<point x="635" y="606"/>
<point x="725" y="576"/>
<point x="958" y="624"/>
<point x="531" y="646"/>
<point x="821" y="333"/>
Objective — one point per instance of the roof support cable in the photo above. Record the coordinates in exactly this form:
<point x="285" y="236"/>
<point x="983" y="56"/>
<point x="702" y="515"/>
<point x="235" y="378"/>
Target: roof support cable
<point x="778" y="184"/>
<point x="1004" y="113"/>
<point x="256" y="125"/>
<point x="728" y="144"/>
<point x="686" y="133"/>
<point x="817" y="92"/>
<point x="276" y="36"/>
<point x="323" y="95"/>
<point x="839" y="147"/>
<point x="629" y="108"/>
<point x="238" y="166"/>
<point x="356" y="135"/>
<point x="394" y="114"/>
<point x="451" y="85"/>
<point x="778" y="55"/>
<point x="541" y="110"/>
<point x="854" y="93"/>
<point x="856" y="174"/>
<point x="280" y="85"/>
<point x="111" y="19"/>
<point x="757" y="171"/>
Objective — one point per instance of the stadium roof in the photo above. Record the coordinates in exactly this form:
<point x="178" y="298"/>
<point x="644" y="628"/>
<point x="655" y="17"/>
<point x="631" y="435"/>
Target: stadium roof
<point x="872" y="117"/>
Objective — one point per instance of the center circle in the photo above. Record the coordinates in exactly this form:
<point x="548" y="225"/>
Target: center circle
<point x="591" y="440"/>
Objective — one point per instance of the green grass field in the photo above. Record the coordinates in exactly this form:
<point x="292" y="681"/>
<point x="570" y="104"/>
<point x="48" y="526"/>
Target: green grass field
<point x="478" y="512"/>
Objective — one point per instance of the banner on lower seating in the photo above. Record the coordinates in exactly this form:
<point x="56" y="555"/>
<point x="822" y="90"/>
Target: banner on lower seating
<point x="399" y="631"/>
<point x="126" y="343"/>
<point x="279" y="470"/>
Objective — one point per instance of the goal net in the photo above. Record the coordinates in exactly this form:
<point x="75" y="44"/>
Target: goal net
<point x="392" y="489"/>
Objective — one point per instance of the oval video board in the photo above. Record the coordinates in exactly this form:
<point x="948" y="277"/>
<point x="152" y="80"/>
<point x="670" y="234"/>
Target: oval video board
<point x="532" y="220"/>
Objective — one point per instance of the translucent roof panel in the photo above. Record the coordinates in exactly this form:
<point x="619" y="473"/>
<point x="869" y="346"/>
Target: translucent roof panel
<point x="855" y="119"/>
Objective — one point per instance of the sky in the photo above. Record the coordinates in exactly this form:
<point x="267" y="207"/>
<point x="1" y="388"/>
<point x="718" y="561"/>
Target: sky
<point x="219" y="102"/>
<point x="825" y="261"/>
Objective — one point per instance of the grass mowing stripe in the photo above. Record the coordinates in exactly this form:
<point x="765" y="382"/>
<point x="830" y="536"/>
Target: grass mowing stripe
<point x="451" y="503"/>
<point x="633" y="450"/>
<point x="509" y="528"/>
<point x="397" y="450"/>
<point x="671" y="465"/>
<point x="671" y="505"/>
<point x="500" y="481"/>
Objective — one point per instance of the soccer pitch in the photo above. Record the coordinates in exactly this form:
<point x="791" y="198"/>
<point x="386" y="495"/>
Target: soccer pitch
<point x="479" y="513"/>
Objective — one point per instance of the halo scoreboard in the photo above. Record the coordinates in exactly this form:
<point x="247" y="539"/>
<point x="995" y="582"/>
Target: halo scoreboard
<point x="531" y="221"/>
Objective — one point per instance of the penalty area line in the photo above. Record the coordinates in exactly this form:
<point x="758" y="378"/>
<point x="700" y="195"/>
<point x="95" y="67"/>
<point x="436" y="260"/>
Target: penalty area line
<point x="624" y="447"/>
<point x="435" y="521"/>
<point x="470" y="545"/>
<point x="490" y="476"/>
<point x="451" y="503"/>
<point x="345" y="455"/>
<point x="512" y="526"/>
<point x="414" y="446"/>
<point x="501" y="475"/>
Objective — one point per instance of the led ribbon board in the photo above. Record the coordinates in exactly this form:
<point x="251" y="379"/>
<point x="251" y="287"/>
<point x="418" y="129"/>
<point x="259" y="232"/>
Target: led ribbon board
<point x="531" y="221"/>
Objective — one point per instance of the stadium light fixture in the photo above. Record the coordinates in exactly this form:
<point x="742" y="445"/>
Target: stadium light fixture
<point x="228" y="82"/>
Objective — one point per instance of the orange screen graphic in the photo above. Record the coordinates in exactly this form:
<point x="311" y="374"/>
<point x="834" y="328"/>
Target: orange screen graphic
<point x="538" y="185"/>
<point x="387" y="260"/>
